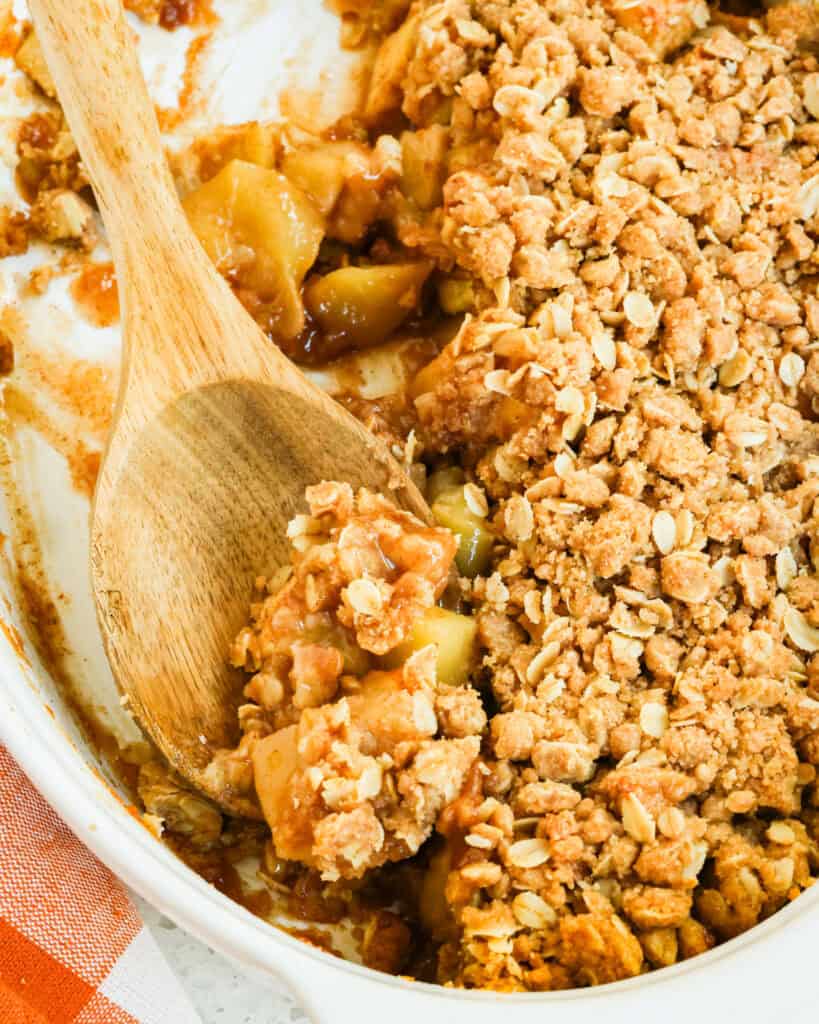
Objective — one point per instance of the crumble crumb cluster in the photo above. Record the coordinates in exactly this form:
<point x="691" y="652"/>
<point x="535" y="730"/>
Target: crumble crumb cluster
<point x="352" y="762"/>
<point x="51" y="176"/>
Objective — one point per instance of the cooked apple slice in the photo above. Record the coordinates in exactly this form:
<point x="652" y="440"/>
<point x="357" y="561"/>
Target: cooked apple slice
<point x="261" y="231"/>
<point x="423" y="165"/>
<point x="453" y="635"/>
<point x="321" y="170"/>
<point x="363" y="305"/>
<point x="289" y="806"/>
<point x="475" y="539"/>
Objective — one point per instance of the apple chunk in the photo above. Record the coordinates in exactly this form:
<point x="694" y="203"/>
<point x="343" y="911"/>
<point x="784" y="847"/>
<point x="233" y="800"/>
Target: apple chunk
<point x="262" y="232"/>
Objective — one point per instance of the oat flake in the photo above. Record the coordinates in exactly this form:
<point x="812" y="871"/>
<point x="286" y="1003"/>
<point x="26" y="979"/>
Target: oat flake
<point x="785" y="565"/>
<point x="605" y="351"/>
<point x="639" y="310"/>
<point x="799" y="630"/>
<point x="791" y="369"/>
<point x="636" y="820"/>
<point x="364" y="597"/>
<point x="475" y="500"/>
<point x="664" y="531"/>
<point x="528" y="853"/>
<point x="533" y="911"/>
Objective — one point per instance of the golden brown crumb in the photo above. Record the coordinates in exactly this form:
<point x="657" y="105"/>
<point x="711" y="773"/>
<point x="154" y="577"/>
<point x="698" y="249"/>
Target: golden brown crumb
<point x="48" y="157"/>
<point x="169" y="14"/>
<point x="29" y="58"/>
<point x="60" y="215"/>
<point x="147" y="10"/>
<point x="14" y="232"/>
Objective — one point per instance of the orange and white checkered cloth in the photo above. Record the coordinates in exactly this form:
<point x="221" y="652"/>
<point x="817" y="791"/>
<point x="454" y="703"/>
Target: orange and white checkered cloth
<point x="73" y="949"/>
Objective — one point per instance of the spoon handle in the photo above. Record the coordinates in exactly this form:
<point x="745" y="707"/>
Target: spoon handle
<point x="177" y="312"/>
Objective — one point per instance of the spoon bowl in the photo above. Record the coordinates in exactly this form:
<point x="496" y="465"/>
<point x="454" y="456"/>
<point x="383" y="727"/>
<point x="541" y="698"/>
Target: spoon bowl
<point x="198" y="510"/>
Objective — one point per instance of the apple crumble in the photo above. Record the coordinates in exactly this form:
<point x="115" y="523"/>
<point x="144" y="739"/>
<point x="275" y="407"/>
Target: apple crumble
<point x="354" y="761"/>
<point x="580" y="713"/>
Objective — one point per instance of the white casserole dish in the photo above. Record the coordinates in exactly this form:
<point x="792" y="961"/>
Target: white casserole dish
<point x="764" y="975"/>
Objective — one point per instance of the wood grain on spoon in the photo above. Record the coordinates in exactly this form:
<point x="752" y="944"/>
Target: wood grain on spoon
<point x="215" y="435"/>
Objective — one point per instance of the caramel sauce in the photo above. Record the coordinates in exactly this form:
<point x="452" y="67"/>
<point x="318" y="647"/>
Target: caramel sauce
<point x="458" y="818"/>
<point x="741" y="11"/>
<point x="224" y="877"/>
<point x="314" y="937"/>
<point x="186" y="12"/>
<point x="6" y="354"/>
<point x="83" y="461"/>
<point x="12" y="323"/>
<point x="11" y="33"/>
<point x="36" y="136"/>
<point x="36" y="601"/>
<point x="84" y="464"/>
<point x="81" y="396"/>
<point x="170" y="117"/>
<point x="101" y="740"/>
<point x="218" y="867"/>
<point x="312" y="347"/>
<point x="174" y="13"/>
<point x="386" y="942"/>
<point x="84" y="390"/>
<point x="308" y="900"/>
<point x="39" y="131"/>
<point x="39" y="606"/>
<point x="95" y="292"/>
<point x="12" y="634"/>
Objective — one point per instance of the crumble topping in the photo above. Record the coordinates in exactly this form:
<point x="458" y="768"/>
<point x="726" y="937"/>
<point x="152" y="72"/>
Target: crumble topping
<point x="352" y="761"/>
<point x="639" y="238"/>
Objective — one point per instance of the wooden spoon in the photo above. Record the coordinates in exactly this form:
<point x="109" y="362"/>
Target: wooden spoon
<point x="215" y="435"/>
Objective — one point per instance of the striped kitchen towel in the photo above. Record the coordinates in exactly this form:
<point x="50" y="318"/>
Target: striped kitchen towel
<point x="73" y="949"/>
